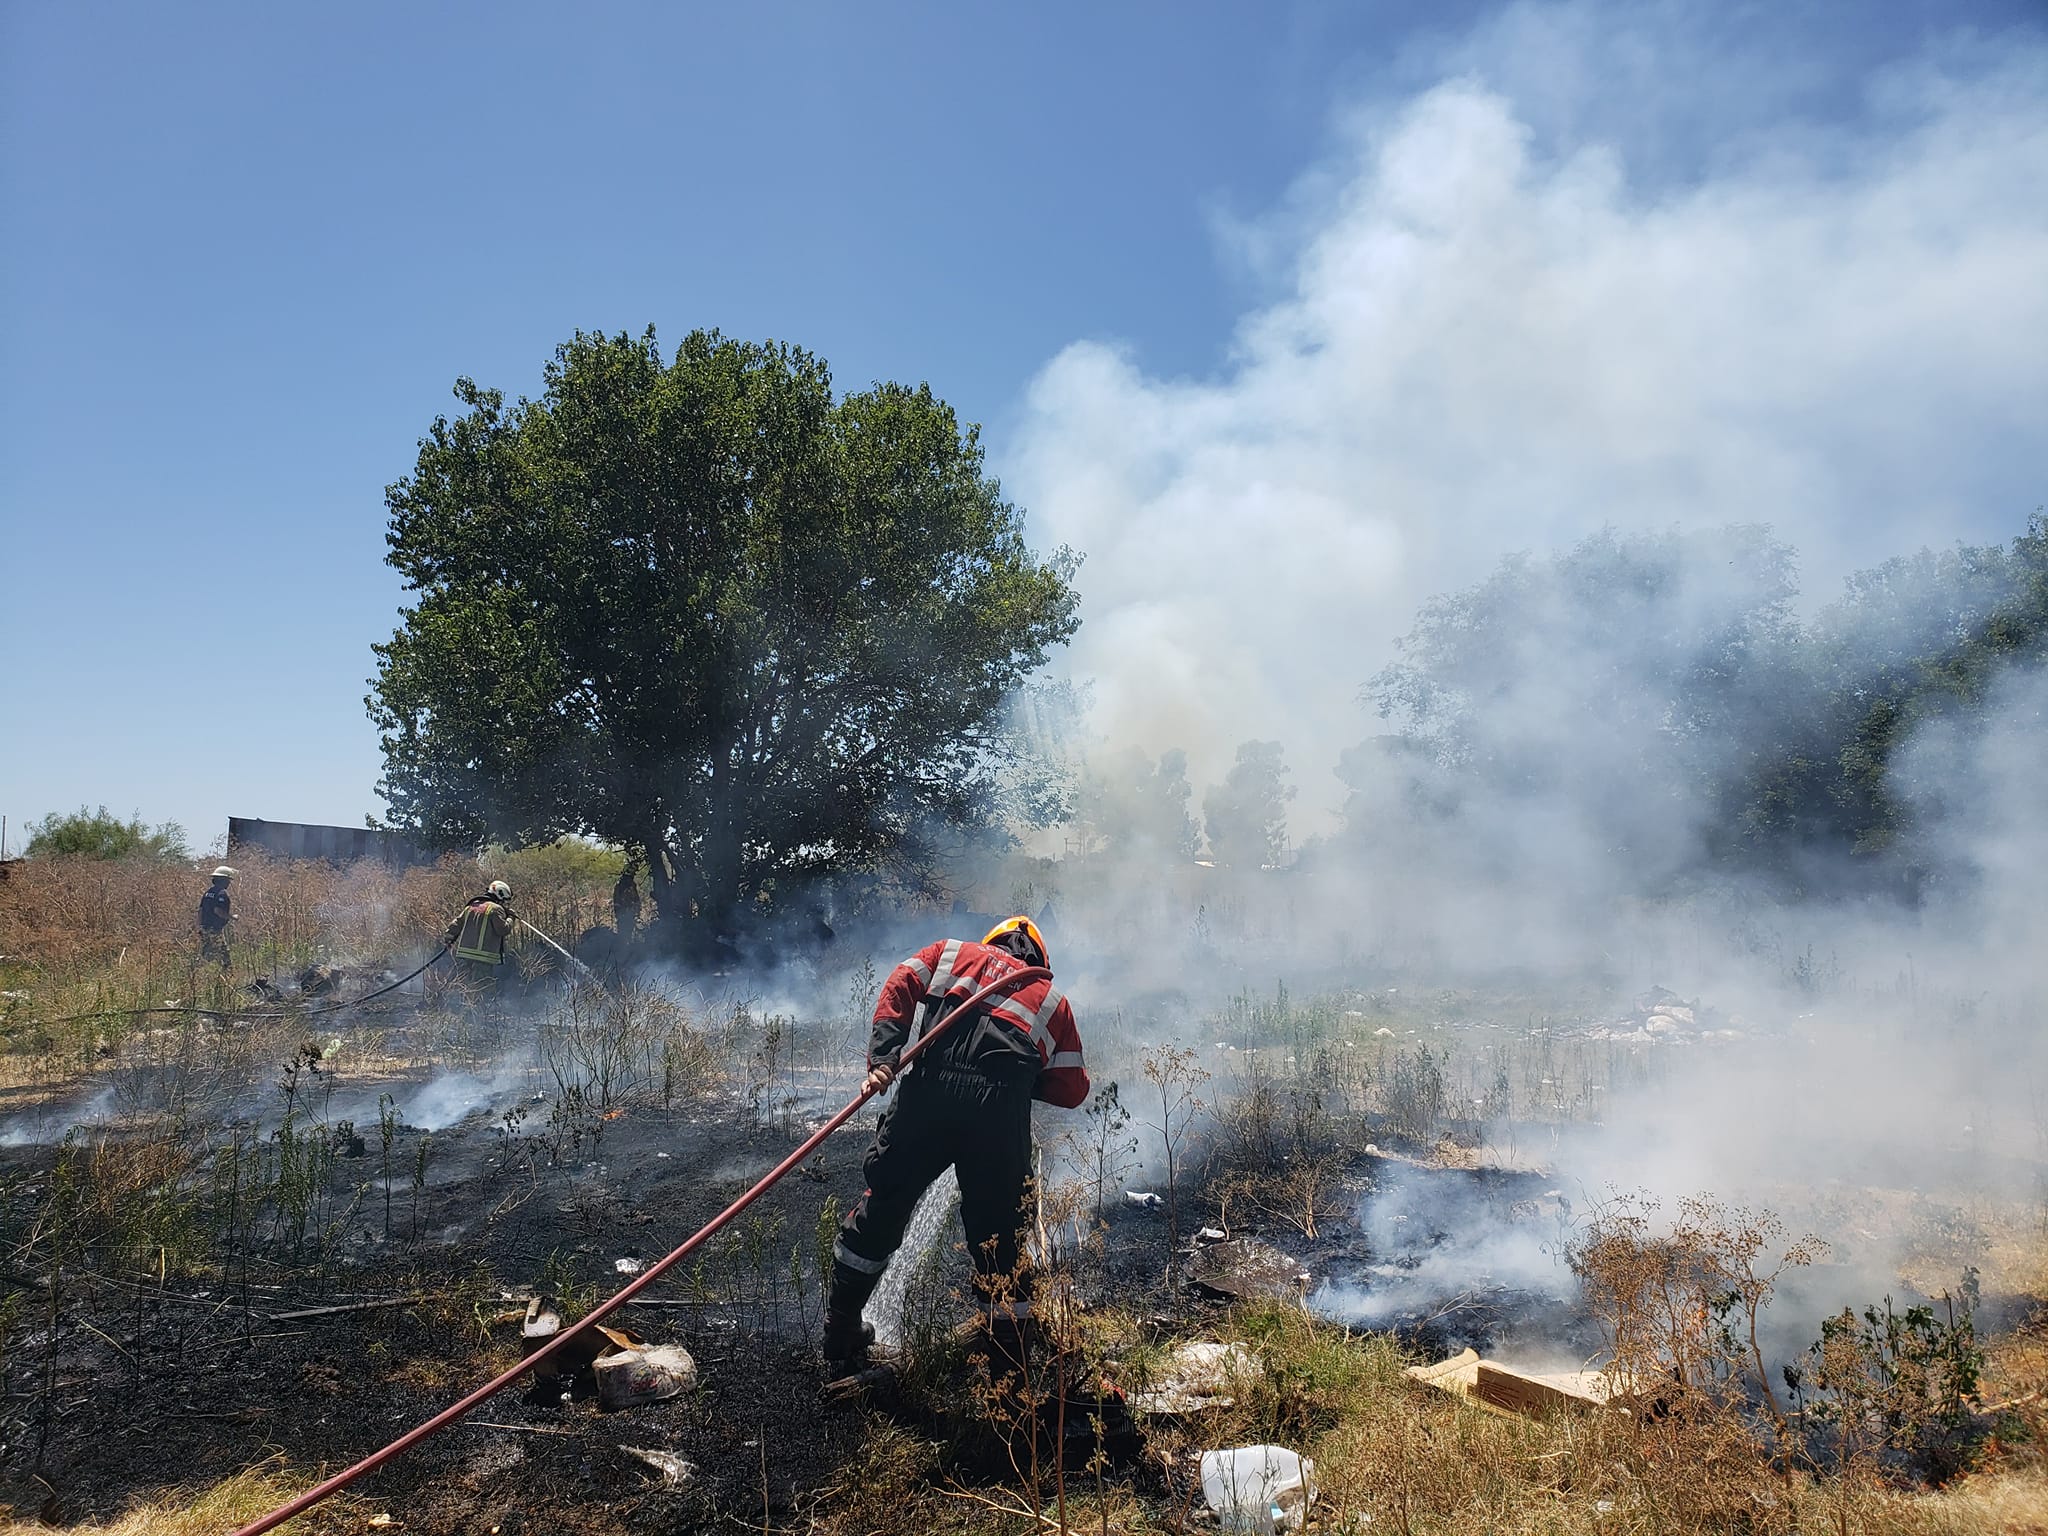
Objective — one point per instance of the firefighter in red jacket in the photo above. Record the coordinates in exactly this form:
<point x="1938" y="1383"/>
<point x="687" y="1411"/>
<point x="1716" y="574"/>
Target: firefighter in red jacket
<point x="965" y="1103"/>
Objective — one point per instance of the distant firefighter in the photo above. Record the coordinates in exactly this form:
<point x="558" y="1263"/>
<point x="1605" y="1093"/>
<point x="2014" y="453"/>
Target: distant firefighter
<point x="478" y="934"/>
<point x="216" y="911"/>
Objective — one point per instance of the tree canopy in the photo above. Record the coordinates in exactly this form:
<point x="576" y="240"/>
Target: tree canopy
<point x="1657" y="695"/>
<point x="703" y="609"/>
<point x="1246" y="814"/>
<point x="1130" y="805"/>
<point x="1610" y="688"/>
<point x="103" y="835"/>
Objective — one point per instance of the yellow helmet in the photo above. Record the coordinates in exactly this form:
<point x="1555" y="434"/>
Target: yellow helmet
<point x="1029" y="929"/>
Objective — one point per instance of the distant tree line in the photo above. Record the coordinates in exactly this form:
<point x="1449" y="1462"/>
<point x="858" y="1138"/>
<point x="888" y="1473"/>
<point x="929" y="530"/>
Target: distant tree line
<point x="1658" y="694"/>
<point x="1650" y="707"/>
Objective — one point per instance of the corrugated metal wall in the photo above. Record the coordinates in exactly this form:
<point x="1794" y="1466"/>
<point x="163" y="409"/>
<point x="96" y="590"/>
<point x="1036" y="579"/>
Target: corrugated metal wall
<point x="338" y="845"/>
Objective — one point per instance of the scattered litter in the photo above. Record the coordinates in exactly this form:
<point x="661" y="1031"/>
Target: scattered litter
<point x="1245" y="1269"/>
<point x="661" y="1154"/>
<point x="675" y="1472"/>
<point x="1212" y="1235"/>
<point x="1496" y="1386"/>
<point x="629" y="1266"/>
<point x="878" y="1377"/>
<point x="382" y="1522"/>
<point x="1198" y="1376"/>
<point x="544" y="1321"/>
<point x="1257" y="1487"/>
<point x="645" y="1375"/>
<point x="1383" y="1033"/>
<point x="345" y="1307"/>
<point x="1145" y="1197"/>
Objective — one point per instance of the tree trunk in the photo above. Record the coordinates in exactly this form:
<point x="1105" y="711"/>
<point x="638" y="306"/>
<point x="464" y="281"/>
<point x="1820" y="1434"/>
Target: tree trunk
<point x="671" y="906"/>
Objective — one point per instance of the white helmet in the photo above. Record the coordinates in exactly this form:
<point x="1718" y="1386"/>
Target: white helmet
<point x="500" y="891"/>
<point x="224" y="873"/>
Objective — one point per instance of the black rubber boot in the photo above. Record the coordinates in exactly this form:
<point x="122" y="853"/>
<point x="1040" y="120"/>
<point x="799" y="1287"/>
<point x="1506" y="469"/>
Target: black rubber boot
<point x="847" y="1338"/>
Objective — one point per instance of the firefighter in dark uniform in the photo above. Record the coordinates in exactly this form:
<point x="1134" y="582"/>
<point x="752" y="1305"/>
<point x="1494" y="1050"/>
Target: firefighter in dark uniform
<point x="216" y="912"/>
<point x="477" y="935"/>
<point x="964" y="1104"/>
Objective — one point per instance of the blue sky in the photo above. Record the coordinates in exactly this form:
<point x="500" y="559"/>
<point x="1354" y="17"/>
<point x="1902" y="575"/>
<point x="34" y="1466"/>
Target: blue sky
<point x="250" y="247"/>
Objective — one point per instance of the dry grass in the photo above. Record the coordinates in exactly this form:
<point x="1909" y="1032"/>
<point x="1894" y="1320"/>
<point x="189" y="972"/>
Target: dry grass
<point x="2010" y="1503"/>
<point x="221" y="1509"/>
<point x="74" y="918"/>
<point x="1394" y="1455"/>
<point x="1412" y="1459"/>
<point x="80" y="936"/>
<point x="82" y="939"/>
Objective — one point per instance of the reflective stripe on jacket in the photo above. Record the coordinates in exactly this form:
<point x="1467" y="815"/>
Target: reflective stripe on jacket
<point x="479" y="934"/>
<point x="1040" y="1023"/>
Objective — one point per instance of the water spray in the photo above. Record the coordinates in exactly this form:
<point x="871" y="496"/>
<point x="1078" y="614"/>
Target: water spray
<point x="583" y="970"/>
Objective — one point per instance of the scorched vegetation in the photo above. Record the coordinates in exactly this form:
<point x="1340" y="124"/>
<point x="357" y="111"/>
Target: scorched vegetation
<point x="238" y="1249"/>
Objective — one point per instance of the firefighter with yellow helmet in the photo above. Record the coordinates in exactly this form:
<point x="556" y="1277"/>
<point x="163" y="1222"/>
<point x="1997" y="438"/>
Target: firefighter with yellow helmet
<point x="477" y="937"/>
<point x="964" y="1104"/>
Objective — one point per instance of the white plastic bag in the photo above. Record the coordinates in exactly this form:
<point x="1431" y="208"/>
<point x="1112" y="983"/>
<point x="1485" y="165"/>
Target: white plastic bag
<point x="1262" y="1488"/>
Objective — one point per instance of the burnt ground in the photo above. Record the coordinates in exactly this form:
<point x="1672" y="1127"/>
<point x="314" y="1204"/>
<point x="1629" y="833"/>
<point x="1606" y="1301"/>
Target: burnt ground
<point x="149" y="1385"/>
<point x="138" y="1384"/>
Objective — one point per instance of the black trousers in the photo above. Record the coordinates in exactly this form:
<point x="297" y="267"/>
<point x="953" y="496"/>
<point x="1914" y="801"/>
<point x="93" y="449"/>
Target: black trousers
<point x="945" y="1117"/>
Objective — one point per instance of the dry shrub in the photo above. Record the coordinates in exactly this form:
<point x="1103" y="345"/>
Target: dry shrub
<point x="627" y="1046"/>
<point x="292" y="912"/>
<point x="564" y="889"/>
<point x="61" y="914"/>
<point x="1682" y="1306"/>
<point x="1279" y="1150"/>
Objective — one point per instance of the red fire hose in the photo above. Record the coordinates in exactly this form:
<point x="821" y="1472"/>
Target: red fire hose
<point x="654" y="1272"/>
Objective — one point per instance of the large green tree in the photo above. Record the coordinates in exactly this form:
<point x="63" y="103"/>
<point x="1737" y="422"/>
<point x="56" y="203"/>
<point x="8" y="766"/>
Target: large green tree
<point x="700" y="607"/>
<point x="103" y="835"/>
<point x="1246" y="814"/>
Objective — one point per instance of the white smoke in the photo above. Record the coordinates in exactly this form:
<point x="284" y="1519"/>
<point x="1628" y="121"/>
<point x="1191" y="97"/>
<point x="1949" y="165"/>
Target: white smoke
<point x="1502" y="326"/>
